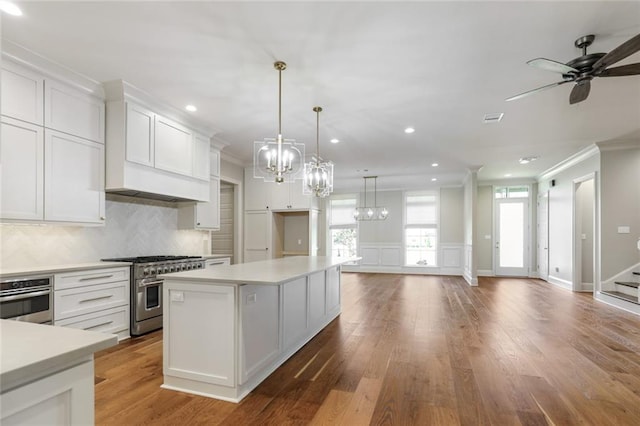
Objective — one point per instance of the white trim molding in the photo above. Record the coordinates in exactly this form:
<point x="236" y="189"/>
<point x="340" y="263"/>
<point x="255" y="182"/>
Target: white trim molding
<point x="559" y="282"/>
<point x="576" y="158"/>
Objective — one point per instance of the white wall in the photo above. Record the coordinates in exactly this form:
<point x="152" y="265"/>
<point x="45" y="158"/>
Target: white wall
<point x="385" y="231"/>
<point x="620" y="206"/>
<point x="561" y="216"/>
<point x="133" y="227"/>
<point x="451" y="215"/>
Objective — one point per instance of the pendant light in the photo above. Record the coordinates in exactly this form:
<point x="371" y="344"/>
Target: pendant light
<point x="369" y="213"/>
<point x="277" y="159"/>
<point x="318" y="174"/>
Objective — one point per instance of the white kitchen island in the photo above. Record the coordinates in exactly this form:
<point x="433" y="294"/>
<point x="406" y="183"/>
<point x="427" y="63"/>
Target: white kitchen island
<point x="227" y="328"/>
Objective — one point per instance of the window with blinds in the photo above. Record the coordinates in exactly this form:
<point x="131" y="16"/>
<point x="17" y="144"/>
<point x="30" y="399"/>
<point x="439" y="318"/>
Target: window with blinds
<point x="421" y="228"/>
<point x="343" y="228"/>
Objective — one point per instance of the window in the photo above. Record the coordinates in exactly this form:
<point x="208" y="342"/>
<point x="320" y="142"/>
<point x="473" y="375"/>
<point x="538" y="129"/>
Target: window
<point x="512" y="192"/>
<point x="421" y="229"/>
<point x="343" y="228"/>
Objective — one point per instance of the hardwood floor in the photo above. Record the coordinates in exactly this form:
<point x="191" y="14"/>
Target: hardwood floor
<point x="417" y="350"/>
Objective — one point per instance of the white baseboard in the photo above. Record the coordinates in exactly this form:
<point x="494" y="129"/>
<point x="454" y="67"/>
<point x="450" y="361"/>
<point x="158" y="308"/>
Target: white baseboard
<point x="618" y="303"/>
<point x="406" y="270"/>
<point x="567" y="285"/>
<point x="473" y="282"/>
<point x="485" y="273"/>
<point x="587" y="288"/>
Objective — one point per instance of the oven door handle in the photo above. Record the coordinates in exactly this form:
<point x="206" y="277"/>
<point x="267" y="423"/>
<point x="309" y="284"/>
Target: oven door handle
<point x="24" y="295"/>
<point x="158" y="282"/>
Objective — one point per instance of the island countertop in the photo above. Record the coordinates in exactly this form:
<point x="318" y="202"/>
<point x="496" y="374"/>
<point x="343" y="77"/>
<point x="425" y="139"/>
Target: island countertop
<point x="270" y="272"/>
<point x="30" y="350"/>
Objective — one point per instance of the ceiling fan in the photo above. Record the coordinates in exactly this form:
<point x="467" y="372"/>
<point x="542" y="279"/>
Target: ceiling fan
<point x="583" y="69"/>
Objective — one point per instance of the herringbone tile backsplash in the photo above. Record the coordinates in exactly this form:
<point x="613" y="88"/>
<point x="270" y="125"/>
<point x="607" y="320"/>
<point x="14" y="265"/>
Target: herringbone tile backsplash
<point x="134" y="227"/>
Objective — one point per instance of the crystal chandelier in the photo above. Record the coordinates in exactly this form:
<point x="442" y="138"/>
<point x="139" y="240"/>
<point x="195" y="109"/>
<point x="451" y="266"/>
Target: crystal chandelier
<point x="318" y="174"/>
<point x="367" y="212"/>
<point x="275" y="159"/>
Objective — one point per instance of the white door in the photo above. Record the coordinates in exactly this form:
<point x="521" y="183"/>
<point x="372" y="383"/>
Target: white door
<point x="73" y="179"/>
<point x="543" y="236"/>
<point x="21" y="179"/>
<point x="208" y="214"/>
<point x="511" y="237"/>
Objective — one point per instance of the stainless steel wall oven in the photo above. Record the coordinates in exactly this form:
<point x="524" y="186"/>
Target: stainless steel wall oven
<point x="27" y="299"/>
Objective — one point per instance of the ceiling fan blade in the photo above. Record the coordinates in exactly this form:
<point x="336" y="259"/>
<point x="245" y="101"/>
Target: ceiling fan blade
<point x="631" y="69"/>
<point x="580" y="92"/>
<point x="553" y="66"/>
<point x="627" y="48"/>
<point x="539" y="89"/>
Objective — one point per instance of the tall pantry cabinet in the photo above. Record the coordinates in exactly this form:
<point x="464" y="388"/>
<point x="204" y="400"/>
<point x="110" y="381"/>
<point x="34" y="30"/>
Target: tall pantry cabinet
<point x="51" y="148"/>
<point x="278" y="220"/>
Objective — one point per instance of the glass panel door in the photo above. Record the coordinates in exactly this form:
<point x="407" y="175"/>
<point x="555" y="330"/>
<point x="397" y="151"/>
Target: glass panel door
<point x="511" y="237"/>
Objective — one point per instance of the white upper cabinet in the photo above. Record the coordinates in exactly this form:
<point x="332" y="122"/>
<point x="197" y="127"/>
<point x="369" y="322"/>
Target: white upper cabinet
<point x="214" y="169"/>
<point x="22" y="93"/>
<point x="21" y="174"/>
<point x="255" y="192"/>
<point x="52" y="149"/>
<point x="72" y="111"/>
<point x="74" y="179"/>
<point x="202" y="169"/>
<point x="204" y="215"/>
<point x="173" y="147"/>
<point x="139" y="134"/>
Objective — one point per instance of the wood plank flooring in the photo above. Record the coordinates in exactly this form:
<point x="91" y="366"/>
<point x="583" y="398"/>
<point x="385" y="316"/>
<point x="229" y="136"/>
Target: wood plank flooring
<point x="416" y="350"/>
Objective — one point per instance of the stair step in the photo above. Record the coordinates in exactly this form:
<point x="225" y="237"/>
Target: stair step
<point x="628" y="283"/>
<point x="622" y="296"/>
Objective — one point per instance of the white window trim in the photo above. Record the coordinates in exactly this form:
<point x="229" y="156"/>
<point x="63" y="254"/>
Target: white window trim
<point x="405" y="226"/>
<point x="329" y="226"/>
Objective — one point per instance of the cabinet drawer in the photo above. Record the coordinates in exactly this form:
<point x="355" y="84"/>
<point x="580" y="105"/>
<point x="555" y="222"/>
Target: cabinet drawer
<point x="107" y="321"/>
<point x="92" y="277"/>
<point x="83" y="300"/>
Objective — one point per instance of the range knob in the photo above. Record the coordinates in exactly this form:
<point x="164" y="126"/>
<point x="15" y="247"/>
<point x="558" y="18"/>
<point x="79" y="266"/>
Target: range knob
<point x="152" y="270"/>
<point x="170" y="268"/>
<point x="198" y="265"/>
<point x="165" y="269"/>
<point x="188" y="267"/>
<point x="146" y="271"/>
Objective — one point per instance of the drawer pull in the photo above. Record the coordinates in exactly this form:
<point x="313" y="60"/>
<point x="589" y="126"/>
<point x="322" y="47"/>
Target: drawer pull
<point x="99" y="325"/>
<point x="96" y="278"/>
<point x="96" y="298"/>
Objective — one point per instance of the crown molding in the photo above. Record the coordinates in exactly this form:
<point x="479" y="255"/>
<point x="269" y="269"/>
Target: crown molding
<point x="619" y="145"/>
<point x="571" y="161"/>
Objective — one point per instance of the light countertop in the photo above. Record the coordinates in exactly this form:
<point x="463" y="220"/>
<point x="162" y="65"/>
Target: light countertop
<point x="54" y="269"/>
<point x="30" y="351"/>
<point x="271" y="272"/>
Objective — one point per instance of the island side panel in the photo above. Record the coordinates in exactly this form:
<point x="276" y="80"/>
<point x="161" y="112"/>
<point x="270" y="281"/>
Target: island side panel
<point x="199" y="333"/>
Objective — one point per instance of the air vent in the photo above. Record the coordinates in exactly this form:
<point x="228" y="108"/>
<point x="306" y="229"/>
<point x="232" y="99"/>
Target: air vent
<point x="493" y="117"/>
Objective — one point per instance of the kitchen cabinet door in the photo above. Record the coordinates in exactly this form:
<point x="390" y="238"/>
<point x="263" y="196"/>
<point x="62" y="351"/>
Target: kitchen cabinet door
<point x="74" y="179"/>
<point x="204" y="215"/>
<point x="22" y="93"/>
<point x="214" y="168"/>
<point x="173" y="147"/>
<point x="72" y="111"/>
<point x="139" y="135"/>
<point x="257" y="234"/>
<point x="21" y="174"/>
<point x="255" y="191"/>
<point x="201" y="157"/>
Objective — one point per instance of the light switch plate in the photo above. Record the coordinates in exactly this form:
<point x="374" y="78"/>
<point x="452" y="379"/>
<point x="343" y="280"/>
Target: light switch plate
<point x="624" y="230"/>
<point x="177" y="296"/>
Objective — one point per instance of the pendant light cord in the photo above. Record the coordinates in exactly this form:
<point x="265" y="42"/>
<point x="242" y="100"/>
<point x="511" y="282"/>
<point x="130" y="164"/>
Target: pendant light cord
<point x="279" y="101"/>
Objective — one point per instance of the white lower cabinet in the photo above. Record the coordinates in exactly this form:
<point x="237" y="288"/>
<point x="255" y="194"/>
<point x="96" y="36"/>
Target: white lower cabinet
<point x="63" y="398"/>
<point x="260" y="340"/>
<point x="295" y="312"/>
<point x="96" y="300"/>
<point x="203" y="317"/>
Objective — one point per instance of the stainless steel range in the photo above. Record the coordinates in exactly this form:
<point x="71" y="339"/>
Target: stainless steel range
<point x="146" y="288"/>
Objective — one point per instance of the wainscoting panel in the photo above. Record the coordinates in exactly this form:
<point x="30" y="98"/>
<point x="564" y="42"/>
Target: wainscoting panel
<point x="390" y="256"/>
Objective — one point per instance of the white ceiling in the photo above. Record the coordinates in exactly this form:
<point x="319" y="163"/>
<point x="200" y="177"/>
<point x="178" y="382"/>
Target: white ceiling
<point x="374" y="67"/>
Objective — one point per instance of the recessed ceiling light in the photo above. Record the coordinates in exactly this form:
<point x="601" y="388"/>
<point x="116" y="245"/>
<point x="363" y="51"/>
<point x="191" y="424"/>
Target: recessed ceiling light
<point x="493" y="117"/>
<point x="334" y="140"/>
<point x="507" y="175"/>
<point x="10" y="8"/>
<point x="191" y="108"/>
<point x="409" y="130"/>
<point x="434" y="164"/>
<point x="526" y="160"/>
<point x="434" y="179"/>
